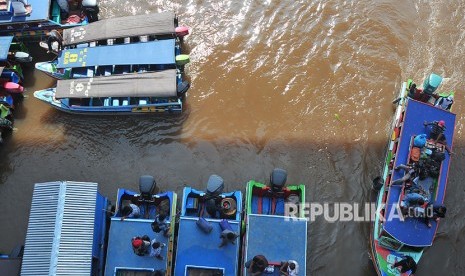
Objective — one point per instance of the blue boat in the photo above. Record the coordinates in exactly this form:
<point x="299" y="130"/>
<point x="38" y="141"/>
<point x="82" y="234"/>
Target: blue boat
<point x="270" y="232"/>
<point x="121" y="259"/>
<point x="200" y="228"/>
<point x="140" y="93"/>
<point x="67" y="228"/>
<point x="396" y="233"/>
<point x="126" y="29"/>
<point x="115" y="60"/>
<point x="38" y="17"/>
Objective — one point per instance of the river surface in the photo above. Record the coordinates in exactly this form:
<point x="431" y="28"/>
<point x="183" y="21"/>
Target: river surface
<point x="302" y="85"/>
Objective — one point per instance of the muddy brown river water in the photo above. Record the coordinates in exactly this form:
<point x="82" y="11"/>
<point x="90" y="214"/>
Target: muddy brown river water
<point x="302" y="85"/>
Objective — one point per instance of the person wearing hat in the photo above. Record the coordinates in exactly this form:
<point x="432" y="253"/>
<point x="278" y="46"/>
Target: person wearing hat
<point x="445" y="102"/>
<point x="141" y="245"/>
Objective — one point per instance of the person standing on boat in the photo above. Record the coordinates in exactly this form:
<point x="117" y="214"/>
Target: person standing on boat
<point x="406" y="264"/>
<point x="130" y="211"/>
<point x="155" y="249"/>
<point x="141" y="245"/>
<point x="228" y="236"/>
<point x="257" y="265"/>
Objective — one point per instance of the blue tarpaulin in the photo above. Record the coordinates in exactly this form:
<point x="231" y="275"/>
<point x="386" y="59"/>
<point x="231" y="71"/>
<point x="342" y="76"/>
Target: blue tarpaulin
<point x="412" y="231"/>
<point x="153" y="52"/>
<point x="5" y="42"/>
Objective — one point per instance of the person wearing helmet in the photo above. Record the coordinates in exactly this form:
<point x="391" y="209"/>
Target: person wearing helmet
<point x="437" y="133"/>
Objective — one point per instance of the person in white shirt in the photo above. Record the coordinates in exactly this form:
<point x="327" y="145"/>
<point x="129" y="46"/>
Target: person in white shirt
<point x="130" y="211"/>
<point x="155" y="249"/>
<point x="289" y="268"/>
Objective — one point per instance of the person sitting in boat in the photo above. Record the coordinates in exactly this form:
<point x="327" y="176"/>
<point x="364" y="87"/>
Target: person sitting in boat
<point x="437" y="133"/>
<point x="405" y="265"/>
<point x="257" y="265"/>
<point x="434" y="212"/>
<point x="130" y="211"/>
<point x="213" y="208"/>
<point x="141" y="245"/>
<point x="410" y="170"/>
<point x="54" y="36"/>
<point x="161" y="224"/>
<point x="289" y="268"/>
<point x="444" y="102"/>
<point x="228" y="236"/>
<point x="155" y="249"/>
<point x="411" y="200"/>
<point x="437" y="128"/>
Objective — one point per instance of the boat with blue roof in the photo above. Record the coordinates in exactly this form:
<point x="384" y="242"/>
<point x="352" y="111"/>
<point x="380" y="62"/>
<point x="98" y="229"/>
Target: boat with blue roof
<point x="118" y="59"/>
<point x="33" y="19"/>
<point x="413" y="184"/>
<point x="275" y="226"/>
<point x="124" y="255"/>
<point x="127" y="94"/>
<point x="209" y="226"/>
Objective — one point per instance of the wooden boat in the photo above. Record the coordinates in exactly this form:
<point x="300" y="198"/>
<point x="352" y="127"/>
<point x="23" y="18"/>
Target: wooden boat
<point x="120" y="30"/>
<point x="115" y="60"/>
<point x="199" y="231"/>
<point x="121" y="260"/>
<point x="394" y="235"/>
<point x="268" y="229"/>
<point x="138" y="93"/>
<point x="34" y="20"/>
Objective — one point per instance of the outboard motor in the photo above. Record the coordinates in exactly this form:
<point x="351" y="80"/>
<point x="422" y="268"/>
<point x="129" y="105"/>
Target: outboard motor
<point x="182" y="88"/>
<point x="90" y="8"/>
<point x="215" y="185"/>
<point x="278" y="180"/>
<point x="147" y="187"/>
<point x="431" y="84"/>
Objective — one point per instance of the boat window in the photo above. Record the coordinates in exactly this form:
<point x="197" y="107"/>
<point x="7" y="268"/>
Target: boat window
<point x="133" y="272"/>
<point x="96" y="102"/>
<point x="390" y="243"/>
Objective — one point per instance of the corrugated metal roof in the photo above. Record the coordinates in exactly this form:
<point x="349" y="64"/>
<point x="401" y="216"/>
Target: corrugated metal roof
<point x="61" y="226"/>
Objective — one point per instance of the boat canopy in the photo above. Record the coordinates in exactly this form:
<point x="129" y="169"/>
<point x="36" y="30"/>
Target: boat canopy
<point x="128" y="26"/>
<point x="60" y="233"/>
<point x="412" y="231"/>
<point x="155" y="84"/>
<point x="5" y="42"/>
<point x="153" y="52"/>
<point x="40" y="12"/>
